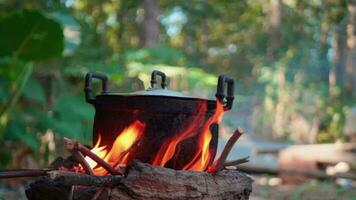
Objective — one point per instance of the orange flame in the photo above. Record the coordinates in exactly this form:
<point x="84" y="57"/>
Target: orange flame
<point x="167" y="150"/>
<point x="120" y="151"/>
<point x="202" y="155"/>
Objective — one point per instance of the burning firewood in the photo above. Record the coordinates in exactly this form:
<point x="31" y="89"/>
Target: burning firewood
<point x="81" y="160"/>
<point x="219" y="164"/>
<point x="144" y="181"/>
<point x="73" y="145"/>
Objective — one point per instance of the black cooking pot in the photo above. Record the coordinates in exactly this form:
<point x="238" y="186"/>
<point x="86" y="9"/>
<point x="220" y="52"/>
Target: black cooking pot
<point x="164" y="112"/>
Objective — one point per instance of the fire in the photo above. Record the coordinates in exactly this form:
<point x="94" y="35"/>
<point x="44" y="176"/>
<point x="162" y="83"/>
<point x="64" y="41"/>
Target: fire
<point x="168" y="148"/>
<point x="120" y="150"/>
<point x="203" y="156"/>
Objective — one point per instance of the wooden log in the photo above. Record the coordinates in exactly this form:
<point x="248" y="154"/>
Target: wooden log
<point x="257" y="169"/>
<point x="144" y="181"/>
<point x="322" y="153"/>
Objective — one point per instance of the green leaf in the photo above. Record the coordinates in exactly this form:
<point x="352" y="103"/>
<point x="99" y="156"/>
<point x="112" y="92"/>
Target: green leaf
<point x="70" y="24"/>
<point x="30" y="35"/>
<point x="34" y="91"/>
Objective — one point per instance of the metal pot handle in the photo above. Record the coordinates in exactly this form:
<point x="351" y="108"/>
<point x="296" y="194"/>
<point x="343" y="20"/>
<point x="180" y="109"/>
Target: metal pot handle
<point x="154" y="75"/>
<point x="220" y="92"/>
<point x="89" y="86"/>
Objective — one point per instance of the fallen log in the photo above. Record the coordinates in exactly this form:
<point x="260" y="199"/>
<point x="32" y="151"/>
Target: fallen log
<point x="144" y="181"/>
<point x="322" y="153"/>
<point x="256" y="169"/>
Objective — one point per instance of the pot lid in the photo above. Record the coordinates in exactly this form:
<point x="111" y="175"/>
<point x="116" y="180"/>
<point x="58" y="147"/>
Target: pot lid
<point x="161" y="92"/>
<point x="226" y="98"/>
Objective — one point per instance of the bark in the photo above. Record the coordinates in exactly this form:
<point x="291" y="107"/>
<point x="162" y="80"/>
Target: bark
<point x="150" y="23"/>
<point x="143" y="181"/>
<point x="351" y="43"/>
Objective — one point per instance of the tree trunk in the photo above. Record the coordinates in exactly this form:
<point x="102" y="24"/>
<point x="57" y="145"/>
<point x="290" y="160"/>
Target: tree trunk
<point x="324" y="48"/>
<point x="351" y="43"/>
<point x="340" y="54"/>
<point x="150" y="23"/>
<point x="274" y="18"/>
<point x="121" y="16"/>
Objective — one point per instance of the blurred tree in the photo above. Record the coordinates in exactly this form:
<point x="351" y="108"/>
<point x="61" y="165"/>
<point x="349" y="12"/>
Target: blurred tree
<point x="351" y="42"/>
<point x="293" y="62"/>
<point x="150" y="24"/>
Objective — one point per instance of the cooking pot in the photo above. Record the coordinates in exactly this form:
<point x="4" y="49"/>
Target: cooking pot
<point x="164" y="112"/>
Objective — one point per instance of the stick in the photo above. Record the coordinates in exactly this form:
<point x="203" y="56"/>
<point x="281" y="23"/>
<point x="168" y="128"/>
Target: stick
<point x="18" y="173"/>
<point x="98" y="193"/>
<point x="237" y="162"/>
<point x="67" y="178"/>
<point x="70" y="196"/>
<point x="218" y="165"/>
<point x="71" y="145"/>
<point x="78" y="156"/>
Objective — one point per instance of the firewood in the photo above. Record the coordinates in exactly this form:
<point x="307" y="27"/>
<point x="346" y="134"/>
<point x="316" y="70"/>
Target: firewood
<point x="19" y="173"/>
<point x="67" y="178"/>
<point x="145" y="182"/>
<point x="237" y="162"/>
<point x="218" y="165"/>
<point x="71" y="145"/>
<point x="98" y="193"/>
<point x="78" y="156"/>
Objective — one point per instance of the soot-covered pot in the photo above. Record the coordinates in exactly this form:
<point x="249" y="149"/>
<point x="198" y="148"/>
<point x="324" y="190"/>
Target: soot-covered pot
<point x="165" y="113"/>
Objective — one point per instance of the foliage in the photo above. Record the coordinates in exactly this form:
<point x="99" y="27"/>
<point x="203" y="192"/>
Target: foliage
<point x="48" y="46"/>
<point x="34" y="37"/>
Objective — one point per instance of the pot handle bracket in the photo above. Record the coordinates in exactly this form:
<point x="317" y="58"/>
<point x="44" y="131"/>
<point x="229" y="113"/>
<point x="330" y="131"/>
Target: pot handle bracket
<point x="88" y="89"/>
<point x="227" y="100"/>
<point x="154" y="75"/>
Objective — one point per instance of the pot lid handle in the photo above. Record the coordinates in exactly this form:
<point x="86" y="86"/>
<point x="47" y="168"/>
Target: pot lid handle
<point x="154" y="75"/>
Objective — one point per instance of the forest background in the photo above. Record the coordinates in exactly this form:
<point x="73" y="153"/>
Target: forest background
<point x="293" y="62"/>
